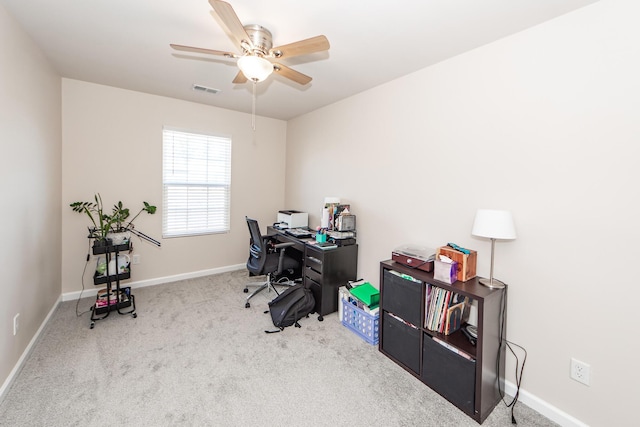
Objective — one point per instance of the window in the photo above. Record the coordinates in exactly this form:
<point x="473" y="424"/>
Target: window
<point x="196" y="180"/>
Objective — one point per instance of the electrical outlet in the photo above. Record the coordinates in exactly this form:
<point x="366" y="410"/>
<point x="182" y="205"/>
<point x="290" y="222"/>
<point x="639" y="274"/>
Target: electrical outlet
<point x="16" y="324"/>
<point x="136" y="259"/>
<point x="580" y="371"/>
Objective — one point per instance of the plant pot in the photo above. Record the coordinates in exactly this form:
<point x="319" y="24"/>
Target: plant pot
<point x="102" y="242"/>
<point x="119" y="238"/>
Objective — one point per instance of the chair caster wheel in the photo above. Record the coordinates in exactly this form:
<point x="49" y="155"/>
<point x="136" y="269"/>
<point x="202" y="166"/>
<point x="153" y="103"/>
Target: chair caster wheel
<point x="134" y="315"/>
<point x="92" y="325"/>
<point x="247" y="305"/>
<point x="246" y="290"/>
<point x="320" y="318"/>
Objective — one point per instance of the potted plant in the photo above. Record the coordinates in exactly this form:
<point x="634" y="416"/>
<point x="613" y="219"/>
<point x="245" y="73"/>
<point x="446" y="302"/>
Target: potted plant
<point x="105" y="224"/>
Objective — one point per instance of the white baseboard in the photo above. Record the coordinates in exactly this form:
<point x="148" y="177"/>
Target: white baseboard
<point x="543" y="407"/>
<point x="70" y="296"/>
<point x="16" y="369"/>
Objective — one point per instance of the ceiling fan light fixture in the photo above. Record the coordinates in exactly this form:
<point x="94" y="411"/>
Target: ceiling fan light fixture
<point x="255" y="68"/>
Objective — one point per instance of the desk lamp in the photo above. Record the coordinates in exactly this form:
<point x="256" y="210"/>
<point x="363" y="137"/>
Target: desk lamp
<point x="494" y="225"/>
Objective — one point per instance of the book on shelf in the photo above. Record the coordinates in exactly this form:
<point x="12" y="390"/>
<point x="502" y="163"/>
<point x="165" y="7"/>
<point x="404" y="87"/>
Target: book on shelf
<point x="399" y="319"/>
<point x="454" y="318"/>
<point x="453" y="348"/>
<point x="445" y="310"/>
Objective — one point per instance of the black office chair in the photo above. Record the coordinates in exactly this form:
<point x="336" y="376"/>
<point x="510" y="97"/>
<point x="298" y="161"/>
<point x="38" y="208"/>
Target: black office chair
<point x="267" y="257"/>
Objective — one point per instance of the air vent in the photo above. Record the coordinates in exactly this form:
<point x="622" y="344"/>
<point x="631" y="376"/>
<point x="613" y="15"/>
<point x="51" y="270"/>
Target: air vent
<point x="201" y="88"/>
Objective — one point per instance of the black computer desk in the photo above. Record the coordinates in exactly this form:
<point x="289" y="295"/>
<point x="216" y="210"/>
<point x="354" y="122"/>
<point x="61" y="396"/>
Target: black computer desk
<point x="323" y="270"/>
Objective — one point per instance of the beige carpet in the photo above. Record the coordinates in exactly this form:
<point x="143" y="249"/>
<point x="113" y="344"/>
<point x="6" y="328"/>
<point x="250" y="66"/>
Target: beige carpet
<point x="195" y="356"/>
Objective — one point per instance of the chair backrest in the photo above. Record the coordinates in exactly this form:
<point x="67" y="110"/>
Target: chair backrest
<point x="257" y="248"/>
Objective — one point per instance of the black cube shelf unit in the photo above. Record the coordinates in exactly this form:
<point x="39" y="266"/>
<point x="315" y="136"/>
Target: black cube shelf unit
<point x="466" y="375"/>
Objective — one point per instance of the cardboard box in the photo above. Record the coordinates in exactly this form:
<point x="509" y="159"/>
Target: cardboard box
<point x="466" y="263"/>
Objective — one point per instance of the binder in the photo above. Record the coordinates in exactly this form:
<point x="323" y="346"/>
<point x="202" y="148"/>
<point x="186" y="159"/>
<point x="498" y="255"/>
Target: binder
<point x="366" y="293"/>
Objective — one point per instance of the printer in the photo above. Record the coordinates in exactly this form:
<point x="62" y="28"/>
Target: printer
<point x="292" y="219"/>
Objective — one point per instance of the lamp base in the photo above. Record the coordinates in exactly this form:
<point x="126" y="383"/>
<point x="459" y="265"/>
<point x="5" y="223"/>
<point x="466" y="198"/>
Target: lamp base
<point x="495" y="284"/>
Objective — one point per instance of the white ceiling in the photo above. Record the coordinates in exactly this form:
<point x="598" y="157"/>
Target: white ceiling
<point x="125" y="43"/>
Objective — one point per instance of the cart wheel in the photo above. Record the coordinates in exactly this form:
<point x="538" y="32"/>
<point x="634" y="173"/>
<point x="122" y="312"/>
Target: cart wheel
<point x="320" y="318"/>
<point x="135" y="315"/>
<point x="247" y="305"/>
<point x="246" y="290"/>
<point x="92" y="325"/>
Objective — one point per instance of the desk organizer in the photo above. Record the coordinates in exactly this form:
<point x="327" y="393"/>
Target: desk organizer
<point x="466" y="269"/>
<point x="366" y="325"/>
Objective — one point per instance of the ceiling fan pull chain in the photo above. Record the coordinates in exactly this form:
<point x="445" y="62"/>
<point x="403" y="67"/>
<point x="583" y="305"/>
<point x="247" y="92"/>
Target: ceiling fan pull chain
<point x="253" y="108"/>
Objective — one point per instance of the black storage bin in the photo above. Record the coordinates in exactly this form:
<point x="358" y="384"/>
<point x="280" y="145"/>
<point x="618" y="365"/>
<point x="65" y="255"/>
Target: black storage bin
<point x="448" y="373"/>
<point x="402" y="297"/>
<point x="402" y="342"/>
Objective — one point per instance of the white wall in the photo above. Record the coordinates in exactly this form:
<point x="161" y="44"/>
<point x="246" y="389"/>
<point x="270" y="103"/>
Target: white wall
<point x="112" y="145"/>
<point x="543" y="123"/>
<point x="30" y="138"/>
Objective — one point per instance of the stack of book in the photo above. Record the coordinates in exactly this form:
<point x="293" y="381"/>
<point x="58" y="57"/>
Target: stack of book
<point x="112" y="300"/>
<point x="445" y="310"/>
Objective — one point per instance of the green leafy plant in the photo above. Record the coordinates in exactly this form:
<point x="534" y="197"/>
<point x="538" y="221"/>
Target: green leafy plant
<point x="104" y="223"/>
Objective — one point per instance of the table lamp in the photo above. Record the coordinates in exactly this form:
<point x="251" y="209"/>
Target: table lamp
<point x="494" y="225"/>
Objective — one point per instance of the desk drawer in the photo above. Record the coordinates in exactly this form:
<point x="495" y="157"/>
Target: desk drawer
<point x="314" y="263"/>
<point x="312" y="274"/>
<point x="316" y="290"/>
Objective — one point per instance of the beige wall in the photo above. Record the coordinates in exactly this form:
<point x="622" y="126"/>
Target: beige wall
<point x="112" y="145"/>
<point x="30" y="137"/>
<point x="543" y="123"/>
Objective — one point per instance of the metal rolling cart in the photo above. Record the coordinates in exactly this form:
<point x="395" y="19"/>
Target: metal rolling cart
<point x="122" y="300"/>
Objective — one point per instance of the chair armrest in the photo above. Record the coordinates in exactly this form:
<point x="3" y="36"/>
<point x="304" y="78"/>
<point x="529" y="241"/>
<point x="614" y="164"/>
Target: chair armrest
<point x="283" y="245"/>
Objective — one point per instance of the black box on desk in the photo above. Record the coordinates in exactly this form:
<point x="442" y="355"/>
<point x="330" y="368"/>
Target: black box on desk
<point x="344" y="242"/>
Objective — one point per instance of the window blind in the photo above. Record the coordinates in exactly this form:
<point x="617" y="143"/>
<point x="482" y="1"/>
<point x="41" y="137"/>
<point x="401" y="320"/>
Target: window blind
<point x="196" y="183"/>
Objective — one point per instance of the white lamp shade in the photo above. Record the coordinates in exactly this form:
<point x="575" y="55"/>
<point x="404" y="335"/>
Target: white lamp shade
<point x="494" y="224"/>
<point x="255" y="68"/>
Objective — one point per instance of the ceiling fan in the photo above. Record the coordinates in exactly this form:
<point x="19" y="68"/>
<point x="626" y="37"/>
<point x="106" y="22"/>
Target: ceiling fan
<point x="256" y="62"/>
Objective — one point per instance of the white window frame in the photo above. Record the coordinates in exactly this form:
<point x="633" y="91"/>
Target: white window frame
<point x="196" y="183"/>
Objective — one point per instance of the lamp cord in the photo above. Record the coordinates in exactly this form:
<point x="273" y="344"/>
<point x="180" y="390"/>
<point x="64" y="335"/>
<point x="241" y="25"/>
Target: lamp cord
<point x="84" y="270"/>
<point x="508" y="344"/>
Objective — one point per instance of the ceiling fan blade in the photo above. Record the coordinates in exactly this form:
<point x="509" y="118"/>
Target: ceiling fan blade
<point x="202" y="50"/>
<point x="302" y="47"/>
<point x="291" y="74"/>
<point x="231" y="22"/>
<point x="240" y="78"/>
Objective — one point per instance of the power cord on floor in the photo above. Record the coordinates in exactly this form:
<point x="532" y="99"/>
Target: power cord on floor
<point x="518" y="376"/>
<point x="84" y="270"/>
<point x="518" y="372"/>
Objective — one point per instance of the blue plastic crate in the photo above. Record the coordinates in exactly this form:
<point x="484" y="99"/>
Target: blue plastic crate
<point x="366" y="325"/>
